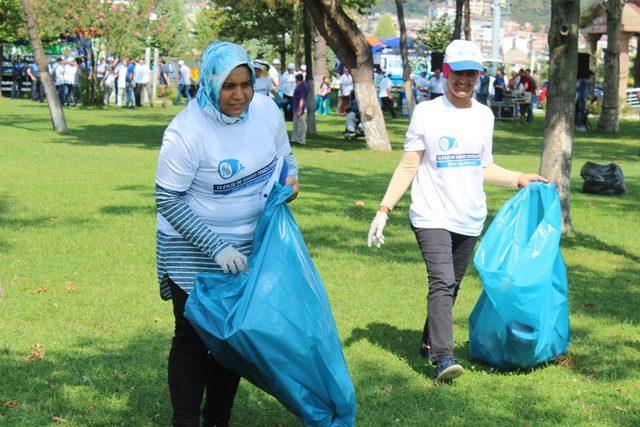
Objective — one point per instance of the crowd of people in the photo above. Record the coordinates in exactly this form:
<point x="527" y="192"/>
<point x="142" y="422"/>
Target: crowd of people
<point x="127" y="82"/>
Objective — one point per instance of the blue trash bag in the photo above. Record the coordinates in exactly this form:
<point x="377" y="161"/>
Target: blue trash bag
<point x="522" y="316"/>
<point x="274" y="326"/>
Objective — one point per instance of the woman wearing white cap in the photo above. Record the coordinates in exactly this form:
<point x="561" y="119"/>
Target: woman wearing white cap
<point x="447" y="158"/>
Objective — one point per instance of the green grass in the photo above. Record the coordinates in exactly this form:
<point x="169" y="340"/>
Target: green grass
<point x="77" y="223"/>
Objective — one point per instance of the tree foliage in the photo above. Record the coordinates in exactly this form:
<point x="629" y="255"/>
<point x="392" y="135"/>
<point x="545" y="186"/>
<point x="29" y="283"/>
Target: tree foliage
<point x="260" y="25"/>
<point x="384" y="27"/>
<point x="126" y="28"/>
<point x="11" y="24"/>
<point x="437" y="34"/>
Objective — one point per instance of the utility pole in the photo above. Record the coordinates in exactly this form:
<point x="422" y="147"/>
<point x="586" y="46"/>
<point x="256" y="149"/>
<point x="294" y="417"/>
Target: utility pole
<point x="495" y="34"/>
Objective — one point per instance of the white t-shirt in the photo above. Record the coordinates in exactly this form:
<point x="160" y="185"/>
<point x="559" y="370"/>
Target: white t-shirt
<point x="275" y="76"/>
<point x="346" y="85"/>
<point x="70" y="74"/>
<point x="145" y="74"/>
<point x="59" y="73"/>
<point x="437" y="85"/>
<point x="121" y="69"/>
<point x="385" y="87"/>
<point x="421" y="83"/>
<point x="263" y="85"/>
<point x="288" y="83"/>
<point x="223" y="168"/>
<point x="137" y="73"/>
<point x="447" y="191"/>
<point x="185" y="75"/>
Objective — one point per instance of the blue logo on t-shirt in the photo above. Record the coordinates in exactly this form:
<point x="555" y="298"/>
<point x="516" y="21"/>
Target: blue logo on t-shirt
<point x="446" y="143"/>
<point x="228" y="168"/>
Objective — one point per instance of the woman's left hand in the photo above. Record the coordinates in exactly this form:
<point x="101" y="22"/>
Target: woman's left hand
<point x="294" y="183"/>
<point x="527" y="178"/>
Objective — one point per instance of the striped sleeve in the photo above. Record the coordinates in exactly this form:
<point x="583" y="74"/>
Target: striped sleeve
<point x="173" y="207"/>
<point x="292" y="165"/>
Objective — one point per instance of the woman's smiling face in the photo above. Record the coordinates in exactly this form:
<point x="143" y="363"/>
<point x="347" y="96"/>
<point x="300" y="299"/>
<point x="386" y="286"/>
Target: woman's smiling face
<point x="236" y="91"/>
<point x="461" y="84"/>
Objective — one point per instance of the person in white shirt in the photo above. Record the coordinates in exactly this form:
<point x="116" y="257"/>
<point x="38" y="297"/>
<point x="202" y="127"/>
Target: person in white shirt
<point x="57" y="70"/>
<point x="385" y="95"/>
<point x="422" y="86"/>
<point x="437" y="84"/>
<point x="288" y="82"/>
<point x="121" y="82"/>
<point x="346" y="88"/>
<point x="108" y="82"/>
<point x="447" y="158"/>
<point x="219" y="159"/>
<point x="142" y="79"/>
<point x="138" y="73"/>
<point x="101" y="70"/>
<point x="263" y="84"/>
<point x="184" y="83"/>
<point x="69" y="76"/>
<point x="274" y="73"/>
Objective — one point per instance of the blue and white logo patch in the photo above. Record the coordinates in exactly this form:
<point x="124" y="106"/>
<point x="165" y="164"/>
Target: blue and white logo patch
<point x="228" y="168"/>
<point x="446" y="143"/>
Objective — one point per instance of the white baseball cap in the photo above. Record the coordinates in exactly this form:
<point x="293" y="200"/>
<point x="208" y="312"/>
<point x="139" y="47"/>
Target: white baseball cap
<point x="276" y="61"/>
<point x="463" y="55"/>
<point x="291" y="66"/>
<point x="257" y="65"/>
<point x="181" y="62"/>
<point x="303" y="67"/>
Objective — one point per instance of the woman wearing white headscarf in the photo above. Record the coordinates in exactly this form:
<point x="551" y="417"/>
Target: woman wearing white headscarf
<point x="219" y="159"/>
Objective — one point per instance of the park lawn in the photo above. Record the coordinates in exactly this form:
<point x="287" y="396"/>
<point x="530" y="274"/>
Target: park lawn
<point x="84" y="336"/>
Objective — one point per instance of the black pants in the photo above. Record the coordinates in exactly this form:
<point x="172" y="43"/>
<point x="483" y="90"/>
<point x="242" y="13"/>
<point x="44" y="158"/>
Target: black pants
<point x="192" y="371"/>
<point x="446" y="255"/>
<point x="137" y="93"/>
<point x="37" y="91"/>
<point x="387" y="104"/>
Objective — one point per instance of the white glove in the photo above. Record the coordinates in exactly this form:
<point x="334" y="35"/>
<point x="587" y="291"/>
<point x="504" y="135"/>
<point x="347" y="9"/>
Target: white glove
<point x="375" y="231"/>
<point x="231" y="260"/>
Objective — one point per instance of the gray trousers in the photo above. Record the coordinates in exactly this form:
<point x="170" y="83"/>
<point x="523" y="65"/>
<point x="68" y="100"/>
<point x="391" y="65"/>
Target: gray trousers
<point x="446" y="256"/>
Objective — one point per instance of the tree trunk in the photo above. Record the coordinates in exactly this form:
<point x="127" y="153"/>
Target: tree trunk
<point x="347" y="41"/>
<point x="610" y="103"/>
<point x="467" y="20"/>
<point x="297" y="36"/>
<point x="309" y="29"/>
<point x="636" y="64"/>
<point x="283" y="52"/>
<point x="404" y="52"/>
<point x="1" y="56"/>
<point x="320" y="58"/>
<point x="55" y="109"/>
<point x="457" y="23"/>
<point x="558" y="129"/>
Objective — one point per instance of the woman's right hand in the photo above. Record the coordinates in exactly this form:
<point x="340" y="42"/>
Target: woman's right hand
<point x="294" y="183"/>
<point x="377" y="227"/>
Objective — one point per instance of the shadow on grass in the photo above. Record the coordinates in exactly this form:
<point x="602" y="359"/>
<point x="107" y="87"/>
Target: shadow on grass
<point x="594" y="145"/>
<point x="9" y="219"/>
<point x="601" y="360"/>
<point x="94" y="383"/>
<point x="128" y="210"/>
<point x="145" y="136"/>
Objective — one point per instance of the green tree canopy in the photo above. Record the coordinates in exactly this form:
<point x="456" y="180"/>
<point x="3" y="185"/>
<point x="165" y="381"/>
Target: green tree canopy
<point x="11" y="24"/>
<point x="242" y="20"/>
<point x="437" y="34"/>
<point x="384" y="27"/>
